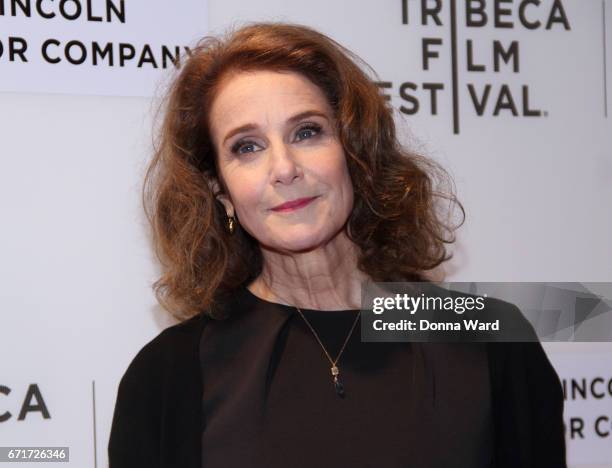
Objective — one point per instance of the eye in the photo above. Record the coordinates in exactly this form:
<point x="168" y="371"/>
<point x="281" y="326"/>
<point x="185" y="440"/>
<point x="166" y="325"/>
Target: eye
<point x="307" y="131"/>
<point x="243" y="147"/>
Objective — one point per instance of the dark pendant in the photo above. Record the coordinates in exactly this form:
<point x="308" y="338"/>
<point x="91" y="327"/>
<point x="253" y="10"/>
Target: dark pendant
<point x="339" y="388"/>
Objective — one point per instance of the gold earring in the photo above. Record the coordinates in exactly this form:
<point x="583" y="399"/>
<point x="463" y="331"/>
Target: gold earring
<point x="231" y="224"/>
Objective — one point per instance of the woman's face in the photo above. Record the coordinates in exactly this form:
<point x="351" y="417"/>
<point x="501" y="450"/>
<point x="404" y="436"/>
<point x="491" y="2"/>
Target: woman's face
<point x="276" y="143"/>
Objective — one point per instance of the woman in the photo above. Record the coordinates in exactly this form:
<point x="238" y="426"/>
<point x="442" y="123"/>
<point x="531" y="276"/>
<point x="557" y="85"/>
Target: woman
<point x="277" y="191"/>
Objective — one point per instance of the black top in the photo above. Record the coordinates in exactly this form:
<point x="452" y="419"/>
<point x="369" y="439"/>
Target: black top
<point x="269" y="398"/>
<point x="257" y="385"/>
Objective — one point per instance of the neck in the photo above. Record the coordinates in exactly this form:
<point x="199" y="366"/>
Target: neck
<point x="326" y="278"/>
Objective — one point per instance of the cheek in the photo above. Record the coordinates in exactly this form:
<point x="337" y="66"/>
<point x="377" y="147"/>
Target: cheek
<point x="246" y="192"/>
<point x="330" y="164"/>
<point x="340" y="180"/>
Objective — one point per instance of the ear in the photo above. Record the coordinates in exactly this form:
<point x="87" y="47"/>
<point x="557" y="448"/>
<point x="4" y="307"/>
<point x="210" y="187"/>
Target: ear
<point x="219" y="195"/>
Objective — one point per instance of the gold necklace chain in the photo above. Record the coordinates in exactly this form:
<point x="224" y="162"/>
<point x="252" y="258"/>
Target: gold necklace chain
<point x="335" y="371"/>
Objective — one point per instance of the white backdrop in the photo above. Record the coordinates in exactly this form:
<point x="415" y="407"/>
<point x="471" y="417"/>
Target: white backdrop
<point x="76" y="269"/>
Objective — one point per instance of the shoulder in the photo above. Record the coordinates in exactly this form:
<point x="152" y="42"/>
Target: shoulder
<point x="528" y="404"/>
<point x="528" y="397"/>
<point x="520" y="362"/>
<point x="156" y="398"/>
<point x="172" y="345"/>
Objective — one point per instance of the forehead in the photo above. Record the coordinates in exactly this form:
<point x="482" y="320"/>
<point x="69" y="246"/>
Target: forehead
<point x="257" y="96"/>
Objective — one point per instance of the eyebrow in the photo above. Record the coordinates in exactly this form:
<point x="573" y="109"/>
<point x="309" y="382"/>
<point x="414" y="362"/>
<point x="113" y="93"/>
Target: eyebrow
<point x="291" y="120"/>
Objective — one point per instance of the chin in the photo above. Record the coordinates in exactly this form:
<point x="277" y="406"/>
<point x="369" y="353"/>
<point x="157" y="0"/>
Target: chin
<point x="298" y="243"/>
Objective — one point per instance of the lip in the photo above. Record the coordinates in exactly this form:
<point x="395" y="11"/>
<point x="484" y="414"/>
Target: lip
<point x="294" y="204"/>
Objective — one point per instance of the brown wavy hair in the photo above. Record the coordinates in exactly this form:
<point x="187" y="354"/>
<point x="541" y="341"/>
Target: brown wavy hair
<point x="397" y="221"/>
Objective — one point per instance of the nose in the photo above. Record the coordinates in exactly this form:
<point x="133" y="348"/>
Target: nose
<point x="284" y="168"/>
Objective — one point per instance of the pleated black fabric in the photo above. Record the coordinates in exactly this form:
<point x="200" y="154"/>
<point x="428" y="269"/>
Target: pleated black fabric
<point x="255" y="390"/>
<point x="269" y="401"/>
